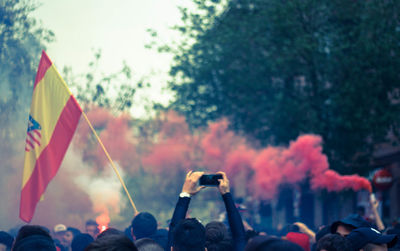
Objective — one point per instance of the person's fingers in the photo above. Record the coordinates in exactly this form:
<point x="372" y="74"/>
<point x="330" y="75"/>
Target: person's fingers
<point x="223" y="175"/>
<point x="196" y="175"/>
<point x="189" y="173"/>
<point x="200" y="188"/>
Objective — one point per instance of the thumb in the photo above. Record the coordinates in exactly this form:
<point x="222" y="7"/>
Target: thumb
<point x="200" y="188"/>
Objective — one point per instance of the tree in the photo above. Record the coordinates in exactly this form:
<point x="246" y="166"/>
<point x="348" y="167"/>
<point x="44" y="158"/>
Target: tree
<point x="21" y="41"/>
<point x="115" y="91"/>
<point x="278" y="69"/>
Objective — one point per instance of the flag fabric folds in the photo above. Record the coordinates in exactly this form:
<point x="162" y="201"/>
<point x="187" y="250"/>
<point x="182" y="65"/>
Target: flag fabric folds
<point x="53" y="118"/>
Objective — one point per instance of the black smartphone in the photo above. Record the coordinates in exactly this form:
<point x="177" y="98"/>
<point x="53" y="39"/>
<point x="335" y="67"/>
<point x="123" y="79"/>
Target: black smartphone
<point x="210" y="179"/>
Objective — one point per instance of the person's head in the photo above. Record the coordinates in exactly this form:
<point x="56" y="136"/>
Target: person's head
<point x="6" y="241"/>
<point x="59" y="232"/>
<point x="264" y="243"/>
<point x="189" y="234"/>
<point x="31" y="237"/>
<point x="81" y="241"/>
<point x="109" y="231"/>
<point x="69" y="236"/>
<point x="323" y="231"/>
<point x="92" y="228"/>
<point x="147" y="244"/>
<point x="143" y="225"/>
<point x="218" y="237"/>
<point x="346" y="225"/>
<point x="360" y="237"/>
<point x="161" y="237"/>
<point x="112" y="243"/>
<point x="333" y="242"/>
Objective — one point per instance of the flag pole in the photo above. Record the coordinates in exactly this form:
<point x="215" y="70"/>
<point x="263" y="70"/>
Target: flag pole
<point x="112" y="163"/>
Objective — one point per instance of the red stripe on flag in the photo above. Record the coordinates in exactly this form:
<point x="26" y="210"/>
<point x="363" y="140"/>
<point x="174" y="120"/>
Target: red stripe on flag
<point x="50" y="159"/>
<point x="44" y="65"/>
<point x="33" y="138"/>
<point x="29" y="143"/>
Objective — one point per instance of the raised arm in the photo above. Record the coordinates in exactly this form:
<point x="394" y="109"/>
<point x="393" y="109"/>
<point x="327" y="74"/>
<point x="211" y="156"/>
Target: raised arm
<point x="374" y="206"/>
<point x="234" y="218"/>
<point x="189" y="189"/>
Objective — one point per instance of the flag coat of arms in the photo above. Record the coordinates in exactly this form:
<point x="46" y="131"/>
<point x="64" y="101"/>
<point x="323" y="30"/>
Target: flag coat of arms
<point x="53" y="118"/>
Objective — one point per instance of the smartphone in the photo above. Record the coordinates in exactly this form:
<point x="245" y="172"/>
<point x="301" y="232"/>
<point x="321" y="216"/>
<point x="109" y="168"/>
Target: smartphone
<point x="210" y="179"/>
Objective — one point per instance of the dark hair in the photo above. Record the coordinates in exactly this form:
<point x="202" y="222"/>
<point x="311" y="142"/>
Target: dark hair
<point x="109" y="231"/>
<point x="282" y="245"/>
<point x="264" y="243"/>
<point x="322" y="232"/>
<point x="6" y="239"/>
<point x="161" y="237"/>
<point x="112" y="243"/>
<point x="333" y="242"/>
<point x="218" y="237"/>
<point x="81" y="241"/>
<point x="31" y="237"/>
<point x="144" y="225"/>
<point x="74" y="231"/>
<point x="147" y="244"/>
<point x="189" y="234"/>
<point x="29" y="230"/>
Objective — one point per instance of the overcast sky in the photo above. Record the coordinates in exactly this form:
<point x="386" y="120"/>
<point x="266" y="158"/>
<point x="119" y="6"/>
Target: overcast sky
<point x="118" y="28"/>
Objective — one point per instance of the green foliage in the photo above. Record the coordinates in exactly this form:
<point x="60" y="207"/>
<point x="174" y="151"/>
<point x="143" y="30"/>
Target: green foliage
<point x="21" y="41"/>
<point x="278" y="69"/>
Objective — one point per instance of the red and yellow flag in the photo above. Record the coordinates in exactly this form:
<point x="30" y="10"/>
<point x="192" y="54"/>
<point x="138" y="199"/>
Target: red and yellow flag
<point x="53" y="119"/>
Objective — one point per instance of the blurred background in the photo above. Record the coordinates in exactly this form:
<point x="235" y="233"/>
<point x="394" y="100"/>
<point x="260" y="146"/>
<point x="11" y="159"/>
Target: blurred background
<point x="297" y="101"/>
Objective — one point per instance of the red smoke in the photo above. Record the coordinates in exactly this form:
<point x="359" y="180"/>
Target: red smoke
<point x="332" y="181"/>
<point x="268" y="173"/>
<point x="99" y="117"/>
<point x="169" y="148"/>
<point x="174" y="148"/>
<point x="221" y="149"/>
<point x="239" y="159"/>
<point x="217" y="144"/>
<point x="303" y="158"/>
<point x="118" y="139"/>
<point x="168" y="155"/>
<point x="116" y="134"/>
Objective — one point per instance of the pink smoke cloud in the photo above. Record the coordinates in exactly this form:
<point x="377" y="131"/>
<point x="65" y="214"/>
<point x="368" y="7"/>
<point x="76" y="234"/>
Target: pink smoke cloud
<point x="302" y="159"/>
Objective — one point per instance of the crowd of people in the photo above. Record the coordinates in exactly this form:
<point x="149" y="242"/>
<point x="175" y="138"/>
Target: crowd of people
<point x="352" y="233"/>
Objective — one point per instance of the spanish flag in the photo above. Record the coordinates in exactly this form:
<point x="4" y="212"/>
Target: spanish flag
<point x="53" y="119"/>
